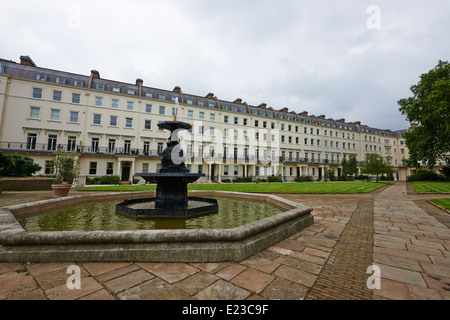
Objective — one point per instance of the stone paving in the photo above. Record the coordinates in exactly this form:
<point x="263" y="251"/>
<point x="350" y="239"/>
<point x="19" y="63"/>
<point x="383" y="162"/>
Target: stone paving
<point x="393" y="228"/>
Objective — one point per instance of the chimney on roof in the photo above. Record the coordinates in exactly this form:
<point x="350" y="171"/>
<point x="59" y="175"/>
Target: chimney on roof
<point x="94" y="75"/>
<point x="178" y="90"/>
<point x="285" y="110"/>
<point x="27" y="61"/>
<point x="322" y="116"/>
<point x="304" y="113"/>
<point x="358" y="123"/>
<point x="238" y="101"/>
<point x="341" y="120"/>
<point x="262" y="105"/>
<point x="139" y="83"/>
<point x="210" y="96"/>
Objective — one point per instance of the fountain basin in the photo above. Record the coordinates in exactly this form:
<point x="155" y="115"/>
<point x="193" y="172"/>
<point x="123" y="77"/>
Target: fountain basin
<point x="193" y="245"/>
<point x="209" y="206"/>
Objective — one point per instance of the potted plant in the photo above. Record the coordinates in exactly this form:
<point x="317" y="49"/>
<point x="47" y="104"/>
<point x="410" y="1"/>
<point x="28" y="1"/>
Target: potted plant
<point x="66" y="169"/>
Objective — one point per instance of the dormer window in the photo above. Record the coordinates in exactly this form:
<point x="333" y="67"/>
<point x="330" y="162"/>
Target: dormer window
<point x="116" y="89"/>
<point x="41" y="76"/>
<point x="78" y="83"/>
<point x="60" y="80"/>
<point x="100" y="86"/>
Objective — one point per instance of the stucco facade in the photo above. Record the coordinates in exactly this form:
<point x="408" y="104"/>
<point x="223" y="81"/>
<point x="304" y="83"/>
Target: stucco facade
<point x="112" y="126"/>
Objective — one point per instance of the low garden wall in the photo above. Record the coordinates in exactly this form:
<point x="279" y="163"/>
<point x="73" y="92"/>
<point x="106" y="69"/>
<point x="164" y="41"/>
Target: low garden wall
<point x="27" y="184"/>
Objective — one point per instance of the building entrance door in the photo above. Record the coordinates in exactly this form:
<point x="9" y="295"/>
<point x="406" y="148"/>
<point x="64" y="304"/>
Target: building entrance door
<point x="126" y="167"/>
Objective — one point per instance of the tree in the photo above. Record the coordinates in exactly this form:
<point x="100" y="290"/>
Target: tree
<point x="429" y="108"/>
<point x="376" y="165"/>
<point x="15" y="165"/>
<point x="349" y="166"/>
<point x="66" y="167"/>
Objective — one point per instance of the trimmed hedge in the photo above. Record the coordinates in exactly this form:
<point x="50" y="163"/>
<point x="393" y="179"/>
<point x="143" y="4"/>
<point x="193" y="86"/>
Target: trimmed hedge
<point x="113" y="179"/>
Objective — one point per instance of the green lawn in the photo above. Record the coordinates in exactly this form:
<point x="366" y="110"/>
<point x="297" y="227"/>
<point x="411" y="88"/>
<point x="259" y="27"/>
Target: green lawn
<point x="302" y="187"/>
<point x="445" y="203"/>
<point x="429" y="186"/>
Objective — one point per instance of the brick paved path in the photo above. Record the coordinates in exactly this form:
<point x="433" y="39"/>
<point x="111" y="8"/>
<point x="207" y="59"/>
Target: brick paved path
<point x="344" y="275"/>
<point x="393" y="228"/>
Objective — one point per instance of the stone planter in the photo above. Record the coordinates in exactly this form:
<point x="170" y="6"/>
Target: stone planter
<point x="61" y="190"/>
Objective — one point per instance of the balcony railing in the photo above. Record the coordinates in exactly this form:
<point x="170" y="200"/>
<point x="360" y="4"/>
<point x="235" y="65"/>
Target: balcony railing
<point x="308" y="160"/>
<point x="52" y="148"/>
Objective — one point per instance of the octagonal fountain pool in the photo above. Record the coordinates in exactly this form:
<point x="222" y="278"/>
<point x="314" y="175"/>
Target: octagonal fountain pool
<point x="87" y="228"/>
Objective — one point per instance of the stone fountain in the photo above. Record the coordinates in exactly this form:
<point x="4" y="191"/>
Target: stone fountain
<point x="171" y="191"/>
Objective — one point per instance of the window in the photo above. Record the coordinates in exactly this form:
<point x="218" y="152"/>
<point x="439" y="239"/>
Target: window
<point x="127" y="146"/>
<point x="146" y="148"/>
<point x="111" y="145"/>
<point x="225" y="119"/>
<point x="162" y="110"/>
<point x="190" y="114"/>
<point x="129" y="123"/>
<point x="71" y="144"/>
<point x="130" y="92"/>
<point x="200" y="168"/>
<point x="37" y="93"/>
<point x="225" y="170"/>
<point x="148" y="108"/>
<point x="94" y="144"/>
<point x="130" y="105"/>
<point x="97" y="119"/>
<point x="116" y="89"/>
<point x="236" y="120"/>
<point x="211" y="131"/>
<point x="98" y="101"/>
<point x="75" y="98"/>
<point x="57" y="95"/>
<point x="160" y="148"/>
<point x="34" y="112"/>
<point x="201" y="129"/>
<point x="52" y="142"/>
<point x="148" y="124"/>
<point x="113" y="121"/>
<point x="244" y="121"/>
<point x="60" y="80"/>
<point x="145" y="168"/>
<point x="92" y="168"/>
<point x="110" y="168"/>
<point x="49" y="167"/>
<point x="55" y="114"/>
<point x="236" y="171"/>
<point x="115" y="104"/>
<point x="212" y="117"/>
<point x="201" y="115"/>
<point x="256" y="123"/>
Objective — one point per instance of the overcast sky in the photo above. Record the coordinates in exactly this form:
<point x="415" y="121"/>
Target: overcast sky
<point x="345" y="59"/>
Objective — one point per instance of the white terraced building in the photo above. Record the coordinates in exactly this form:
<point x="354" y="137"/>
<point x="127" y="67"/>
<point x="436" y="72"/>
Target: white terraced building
<point x="112" y="126"/>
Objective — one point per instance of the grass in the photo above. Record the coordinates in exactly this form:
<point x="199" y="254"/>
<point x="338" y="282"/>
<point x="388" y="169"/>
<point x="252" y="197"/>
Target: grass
<point x="430" y="186"/>
<point x="445" y="203"/>
<point x="302" y="187"/>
